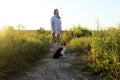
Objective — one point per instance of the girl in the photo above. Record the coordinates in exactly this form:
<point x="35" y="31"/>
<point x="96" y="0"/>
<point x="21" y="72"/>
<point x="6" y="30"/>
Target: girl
<point x="56" y="28"/>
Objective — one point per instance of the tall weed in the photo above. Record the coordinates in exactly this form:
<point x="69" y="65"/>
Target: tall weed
<point x="105" y="54"/>
<point x="19" y="49"/>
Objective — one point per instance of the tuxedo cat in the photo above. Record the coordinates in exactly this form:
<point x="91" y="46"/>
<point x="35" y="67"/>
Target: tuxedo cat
<point x="60" y="51"/>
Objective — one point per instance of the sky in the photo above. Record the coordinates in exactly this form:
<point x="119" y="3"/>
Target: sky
<point x="34" y="14"/>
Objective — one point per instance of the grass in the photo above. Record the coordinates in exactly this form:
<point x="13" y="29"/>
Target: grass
<point x="18" y="50"/>
<point x="103" y="53"/>
<point x="80" y="45"/>
<point x="99" y="53"/>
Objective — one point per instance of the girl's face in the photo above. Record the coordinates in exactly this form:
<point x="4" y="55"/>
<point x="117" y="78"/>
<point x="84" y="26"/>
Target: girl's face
<point x="56" y="12"/>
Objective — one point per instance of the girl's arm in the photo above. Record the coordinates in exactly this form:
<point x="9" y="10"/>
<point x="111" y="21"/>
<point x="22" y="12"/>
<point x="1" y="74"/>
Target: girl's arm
<point x="60" y="26"/>
<point x="52" y="24"/>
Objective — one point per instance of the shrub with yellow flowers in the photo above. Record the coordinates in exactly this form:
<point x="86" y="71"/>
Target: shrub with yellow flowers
<point x="105" y="53"/>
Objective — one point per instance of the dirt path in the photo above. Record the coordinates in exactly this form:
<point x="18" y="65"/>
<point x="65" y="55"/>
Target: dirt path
<point x="54" y="69"/>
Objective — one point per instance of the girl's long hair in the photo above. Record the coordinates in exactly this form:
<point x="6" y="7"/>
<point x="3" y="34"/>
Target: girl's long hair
<point x="57" y="14"/>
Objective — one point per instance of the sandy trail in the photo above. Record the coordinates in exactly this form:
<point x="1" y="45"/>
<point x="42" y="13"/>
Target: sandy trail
<point x="54" y="69"/>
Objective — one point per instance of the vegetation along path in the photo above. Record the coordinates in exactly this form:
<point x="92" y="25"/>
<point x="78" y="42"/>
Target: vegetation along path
<point x="56" y="69"/>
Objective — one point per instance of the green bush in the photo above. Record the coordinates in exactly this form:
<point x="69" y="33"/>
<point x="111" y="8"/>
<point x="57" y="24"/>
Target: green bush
<point x="81" y="45"/>
<point x="79" y="31"/>
<point x="75" y="32"/>
<point x="105" y="54"/>
<point x="19" y="49"/>
<point x="66" y="36"/>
